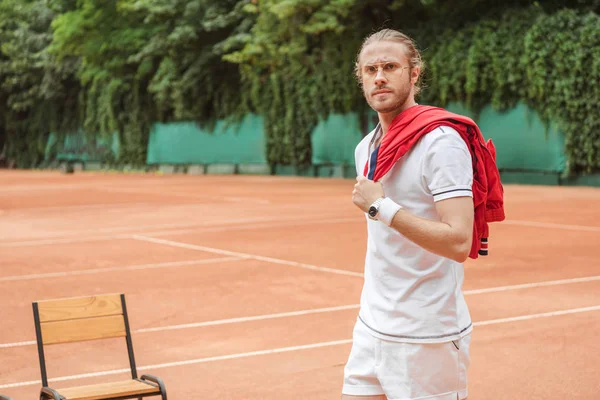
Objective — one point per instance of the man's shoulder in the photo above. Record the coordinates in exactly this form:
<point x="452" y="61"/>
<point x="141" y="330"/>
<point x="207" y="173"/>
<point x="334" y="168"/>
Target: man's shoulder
<point x="442" y="136"/>
<point x="444" y="131"/>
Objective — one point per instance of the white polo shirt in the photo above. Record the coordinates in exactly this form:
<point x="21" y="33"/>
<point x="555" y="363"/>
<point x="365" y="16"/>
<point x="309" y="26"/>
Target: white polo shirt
<point x="410" y="294"/>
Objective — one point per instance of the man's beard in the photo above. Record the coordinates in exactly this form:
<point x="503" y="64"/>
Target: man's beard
<point x="399" y="101"/>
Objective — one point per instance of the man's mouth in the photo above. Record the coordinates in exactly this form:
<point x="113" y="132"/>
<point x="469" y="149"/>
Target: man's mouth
<point x="383" y="91"/>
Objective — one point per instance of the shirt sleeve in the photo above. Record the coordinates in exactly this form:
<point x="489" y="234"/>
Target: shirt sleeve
<point x="448" y="166"/>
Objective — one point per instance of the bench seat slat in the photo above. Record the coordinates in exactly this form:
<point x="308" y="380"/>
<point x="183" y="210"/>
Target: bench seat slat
<point x="106" y="390"/>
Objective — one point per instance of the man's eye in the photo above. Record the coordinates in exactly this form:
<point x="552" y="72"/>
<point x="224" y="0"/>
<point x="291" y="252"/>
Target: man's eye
<point x="390" y="67"/>
<point x="371" y="69"/>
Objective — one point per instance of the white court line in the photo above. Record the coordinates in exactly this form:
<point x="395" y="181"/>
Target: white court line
<point x="137" y="228"/>
<point x="180" y="363"/>
<point x="533" y="285"/>
<point x="584" y="228"/>
<point x="113" y="269"/>
<point x="218" y="322"/>
<point x="193" y="227"/>
<point x="44" y="242"/>
<point x="36" y="187"/>
<point x="253" y="226"/>
<point x="199" y="229"/>
<point x="8" y="191"/>
<point x="536" y="316"/>
<point x="46" y="237"/>
<point x="17" y="344"/>
<point x="23" y="211"/>
<point x="249" y="319"/>
<point x="328" y="309"/>
<point x="284" y="349"/>
<point x="245" y="255"/>
<point x="186" y="194"/>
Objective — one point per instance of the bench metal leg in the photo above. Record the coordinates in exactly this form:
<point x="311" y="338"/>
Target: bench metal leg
<point x="47" y="393"/>
<point x="159" y="382"/>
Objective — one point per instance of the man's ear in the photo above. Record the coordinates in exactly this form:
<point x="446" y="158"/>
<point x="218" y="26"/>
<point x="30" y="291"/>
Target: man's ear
<point x="414" y="75"/>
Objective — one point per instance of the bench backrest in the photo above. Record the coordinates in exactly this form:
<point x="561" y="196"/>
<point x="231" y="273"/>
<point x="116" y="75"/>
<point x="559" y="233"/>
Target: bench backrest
<point x="79" y="319"/>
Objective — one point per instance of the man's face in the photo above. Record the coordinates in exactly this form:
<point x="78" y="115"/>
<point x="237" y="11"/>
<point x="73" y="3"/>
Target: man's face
<point x="386" y="76"/>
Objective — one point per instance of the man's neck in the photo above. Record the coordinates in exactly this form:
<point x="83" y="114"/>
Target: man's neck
<point x="385" y="119"/>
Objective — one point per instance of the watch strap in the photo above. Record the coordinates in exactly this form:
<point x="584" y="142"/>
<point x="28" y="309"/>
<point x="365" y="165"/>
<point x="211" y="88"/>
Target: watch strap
<point x="375" y="206"/>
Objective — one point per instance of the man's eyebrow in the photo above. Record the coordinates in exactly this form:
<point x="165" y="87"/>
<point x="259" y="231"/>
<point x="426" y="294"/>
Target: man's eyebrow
<point x="382" y="62"/>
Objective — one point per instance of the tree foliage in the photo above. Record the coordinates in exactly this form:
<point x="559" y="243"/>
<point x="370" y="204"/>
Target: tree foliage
<point x="121" y="65"/>
<point x="144" y="61"/>
<point x="37" y="93"/>
<point x="551" y="62"/>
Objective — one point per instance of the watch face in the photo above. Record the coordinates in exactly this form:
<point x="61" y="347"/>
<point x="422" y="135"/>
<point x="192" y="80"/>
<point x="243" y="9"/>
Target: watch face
<point x="372" y="211"/>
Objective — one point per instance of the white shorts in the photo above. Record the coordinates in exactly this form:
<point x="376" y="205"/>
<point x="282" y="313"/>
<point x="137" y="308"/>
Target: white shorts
<point x="406" y="371"/>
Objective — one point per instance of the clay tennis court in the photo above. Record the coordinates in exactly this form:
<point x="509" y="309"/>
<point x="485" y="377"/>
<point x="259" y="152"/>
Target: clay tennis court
<point x="246" y="287"/>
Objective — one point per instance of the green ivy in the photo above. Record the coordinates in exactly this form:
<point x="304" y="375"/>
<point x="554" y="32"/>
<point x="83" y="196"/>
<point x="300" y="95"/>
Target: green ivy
<point x="105" y="66"/>
<point x="298" y="70"/>
<point x="301" y="53"/>
<point x="550" y="62"/>
<point x="37" y="93"/>
<point x="568" y="89"/>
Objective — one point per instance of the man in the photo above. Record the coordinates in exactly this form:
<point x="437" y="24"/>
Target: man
<point x="411" y="339"/>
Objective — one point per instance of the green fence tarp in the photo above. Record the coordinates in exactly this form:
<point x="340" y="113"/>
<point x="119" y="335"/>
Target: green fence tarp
<point x="79" y="146"/>
<point x="186" y="143"/>
<point x="527" y="150"/>
<point x="334" y="140"/>
<point x="522" y="141"/>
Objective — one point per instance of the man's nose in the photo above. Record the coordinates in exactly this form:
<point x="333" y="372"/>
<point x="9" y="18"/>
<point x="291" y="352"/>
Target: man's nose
<point x="380" y="78"/>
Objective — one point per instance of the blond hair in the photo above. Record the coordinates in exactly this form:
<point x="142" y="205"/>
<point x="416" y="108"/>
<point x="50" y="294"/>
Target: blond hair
<point x="391" y="35"/>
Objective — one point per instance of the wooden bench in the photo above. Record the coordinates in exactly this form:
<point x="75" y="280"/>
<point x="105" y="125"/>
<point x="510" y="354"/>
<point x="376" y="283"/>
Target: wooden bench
<point x="90" y="318"/>
<point x="67" y="161"/>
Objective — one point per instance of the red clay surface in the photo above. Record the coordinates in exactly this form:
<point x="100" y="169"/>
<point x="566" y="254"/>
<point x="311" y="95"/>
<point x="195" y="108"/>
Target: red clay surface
<point x="246" y="287"/>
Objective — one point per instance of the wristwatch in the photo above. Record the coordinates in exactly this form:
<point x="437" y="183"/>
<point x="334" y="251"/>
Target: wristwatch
<point x="374" y="208"/>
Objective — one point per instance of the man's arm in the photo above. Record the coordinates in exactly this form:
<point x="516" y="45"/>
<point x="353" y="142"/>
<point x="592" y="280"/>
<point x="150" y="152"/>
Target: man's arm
<point x="448" y="174"/>
<point x="450" y="237"/>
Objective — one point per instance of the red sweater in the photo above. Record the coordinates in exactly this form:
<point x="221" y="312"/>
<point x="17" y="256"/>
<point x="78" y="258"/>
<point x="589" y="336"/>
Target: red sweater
<point x="488" y="194"/>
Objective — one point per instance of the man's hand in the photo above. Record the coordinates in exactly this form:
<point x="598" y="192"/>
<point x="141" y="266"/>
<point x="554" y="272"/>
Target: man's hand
<point x="366" y="192"/>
